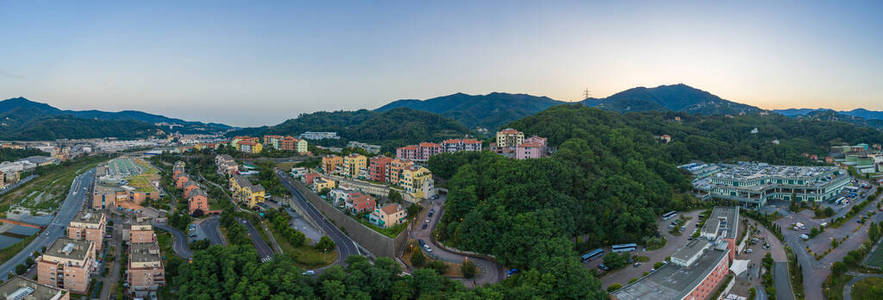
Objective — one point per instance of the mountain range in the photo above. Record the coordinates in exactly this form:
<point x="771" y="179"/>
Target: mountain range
<point x="23" y="119"/>
<point x="860" y="112"/>
<point x="678" y="97"/>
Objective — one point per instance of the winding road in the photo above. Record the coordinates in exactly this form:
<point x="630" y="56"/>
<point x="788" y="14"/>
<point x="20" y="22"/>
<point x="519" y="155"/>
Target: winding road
<point x="180" y="241"/>
<point x="345" y="246"/>
<point x="209" y="226"/>
<point x="72" y="204"/>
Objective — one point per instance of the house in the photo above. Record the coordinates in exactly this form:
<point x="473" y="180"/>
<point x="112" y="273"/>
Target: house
<point x="339" y="196"/>
<point x="309" y="178"/>
<point x="529" y="150"/>
<point x="198" y="200"/>
<point x="88" y="225"/>
<point x="67" y="264"/>
<point x="388" y="216"/>
<point x="377" y="168"/>
<point x="359" y="202"/>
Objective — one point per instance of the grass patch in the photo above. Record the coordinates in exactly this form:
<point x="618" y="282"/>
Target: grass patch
<point x="391" y="232"/>
<point x="868" y="288"/>
<point x="54" y="181"/>
<point x="875" y="259"/>
<point x="305" y="256"/>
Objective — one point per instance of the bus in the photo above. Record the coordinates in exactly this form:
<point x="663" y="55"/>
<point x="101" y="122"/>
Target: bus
<point x="624" y="247"/>
<point x="669" y="215"/>
<point x="592" y="254"/>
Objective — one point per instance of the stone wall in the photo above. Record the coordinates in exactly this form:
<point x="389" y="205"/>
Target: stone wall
<point x="375" y="242"/>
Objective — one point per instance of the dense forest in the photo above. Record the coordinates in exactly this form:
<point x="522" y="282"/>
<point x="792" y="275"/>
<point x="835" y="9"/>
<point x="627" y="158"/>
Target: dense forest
<point x="68" y="127"/>
<point x="390" y="129"/>
<point x="609" y="178"/>
<point x="16" y="154"/>
<point x="488" y="111"/>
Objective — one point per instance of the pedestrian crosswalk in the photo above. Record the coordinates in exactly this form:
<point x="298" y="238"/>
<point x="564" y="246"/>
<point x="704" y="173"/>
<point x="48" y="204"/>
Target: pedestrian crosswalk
<point x="266" y="259"/>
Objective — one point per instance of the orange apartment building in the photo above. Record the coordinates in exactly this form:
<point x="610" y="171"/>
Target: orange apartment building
<point x="145" y="270"/>
<point x="181" y="180"/>
<point x="141" y="232"/>
<point x="188" y="188"/>
<point x="67" y="264"/>
<point x="88" y="225"/>
<point x="198" y="200"/>
<point x="106" y="196"/>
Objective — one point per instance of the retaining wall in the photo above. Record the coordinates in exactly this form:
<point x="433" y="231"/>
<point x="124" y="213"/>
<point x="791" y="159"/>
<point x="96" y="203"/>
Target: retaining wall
<point x="375" y="242"/>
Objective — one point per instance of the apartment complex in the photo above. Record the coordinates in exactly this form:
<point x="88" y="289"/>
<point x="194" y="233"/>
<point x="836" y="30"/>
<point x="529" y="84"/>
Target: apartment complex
<point x="330" y="164"/>
<point x="752" y="184"/>
<point x="107" y="195"/>
<point x="355" y="166"/>
<point x="145" y="273"/>
<point x="67" y="264"/>
<point x="696" y="270"/>
<point x="141" y="231"/>
<point x="321" y="135"/>
<point x="20" y="288"/>
<point x="285" y="143"/>
<point x="532" y="147"/>
<point x="509" y="138"/>
<point x="388" y="216"/>
<point x="226" y="165"/>
<point x="198" y="201"/>
<point x="245" y="192"/>
<point x="88" y="225"/>
<point x="247" y="144"/>
<point x="377" y="168"/>
<point x="417" y="181"/>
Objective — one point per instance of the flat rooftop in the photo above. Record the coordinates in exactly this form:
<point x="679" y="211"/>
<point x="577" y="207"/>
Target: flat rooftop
<point x="690" y="249"/>
<point x="144" y="252"/>
<point x="672" y="281"/>
<point x="723" y="218"/>
<point x="28" y="289"/>
<point x="88" y="216"/>
<point x="761" y="170"/>
<point x="70" y="249"/>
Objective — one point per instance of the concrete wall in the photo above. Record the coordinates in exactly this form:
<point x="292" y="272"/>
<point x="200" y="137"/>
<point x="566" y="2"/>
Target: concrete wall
<point x="375" y="242"/>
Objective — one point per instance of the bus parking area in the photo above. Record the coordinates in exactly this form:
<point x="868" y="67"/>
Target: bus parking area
<point x="633" y="270"/>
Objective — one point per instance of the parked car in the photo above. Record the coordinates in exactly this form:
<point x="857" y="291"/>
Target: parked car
<point x="603" y="267"/>
<point x="422" y="243"/>
<point x="636" y="264"/>
<point x="748" y="250"/>
<point x="309" y="273"/>
<point x="804" y="236"/>
<point x="511" y="272"/>
<point x="425" y="225"/>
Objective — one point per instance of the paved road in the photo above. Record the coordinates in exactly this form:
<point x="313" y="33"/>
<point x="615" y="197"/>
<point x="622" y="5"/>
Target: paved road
<point x="179" y="244"/>
<point x="783" y="282"/>
<point x="489" y="271"/>
<point x="345" y="246"/>
<point x="847" y="290"/>
<point x="264" y="250"/>
<point x="114" y="276"/>
<point x="816" y="271"/>
<point x="72" y="204"/>
<point x="209" y="226"/>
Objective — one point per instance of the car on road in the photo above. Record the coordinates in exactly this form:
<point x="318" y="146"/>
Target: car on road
<point x="603" y="267"/>
<point x="309" y="273"/>
<point x="422" y="243"/>
<point x="804" y="236"/>
<point x="748" y="250"/>
<point x="427" y="220"/>
<point x="636" y="264"/>
<point x="425" y="225"/>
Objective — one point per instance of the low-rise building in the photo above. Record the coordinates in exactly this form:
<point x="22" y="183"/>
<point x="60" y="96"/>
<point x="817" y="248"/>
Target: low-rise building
<point x="320" y="135"/>
<point x="189" y="187"/>
<point x="226" y="165"/>
<point x="20" y="288"/>
<point x="88" y="225"/>
<point x="457" y="145"/>
<point x="330" y="164"/>
<point x="321" y="184"/>
<point x="359" y="202"/>
<point x="273" y="141"/>
<point x="181" y="179"/>
<point x="529" y="150"/>
<point x="107" y="195"/>
<point x="388" y="216"/>
<point x="245" y="192"/>
<point x="509" y="138"/>
<point x="723" y="224"/>
<point x="145" y="273"/>
<point x="67" y="264"/>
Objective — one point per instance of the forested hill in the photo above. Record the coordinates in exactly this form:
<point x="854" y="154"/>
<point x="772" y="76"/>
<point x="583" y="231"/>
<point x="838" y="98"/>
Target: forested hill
<point x="608" y="181"/>
<point x="21" y="114"/>
<point x="488" y="111"/>
<point x="678" y="97"/>
<point x="68" y="127"/>
<point x="390" y="128"/>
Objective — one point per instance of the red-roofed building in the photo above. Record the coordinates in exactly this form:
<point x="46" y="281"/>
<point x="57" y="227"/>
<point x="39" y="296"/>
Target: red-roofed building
<point x="359" y="202"/>
<point x="179" y="183"/>
<point x="457" y="145"/>
<point x="530" y="150"/>
<point x="309" y="178"/>
<point x="410" y="152"/>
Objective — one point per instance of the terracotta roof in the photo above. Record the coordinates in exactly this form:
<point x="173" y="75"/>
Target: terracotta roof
<point x="530" y="145"/>
<point x="391" y="209"/>
<point x="471" y="141"/>
<point x="452" y="141"/>
<point x="509" y="131"/>
<point x="409" y="147"/>
<point x="427" y="144"/>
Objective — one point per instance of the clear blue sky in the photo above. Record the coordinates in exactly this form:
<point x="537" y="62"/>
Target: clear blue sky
<point x="246" y="63"/>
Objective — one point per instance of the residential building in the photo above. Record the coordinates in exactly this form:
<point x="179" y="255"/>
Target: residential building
<point x="250" y="147"/>
<point x="331" y="163"/>
<point x="530" y="150"/>
<point x="298" y="172"/>
<point x="189" y="187"/>
<point x="273" y="141"/>
<point x="420" y="152"/>
<point x="180" y="180"/>
<point x="457" y="145"/>
<point x="417" y="181"/>
<point x="394" y="170"/>
<point x="67" y="264"/>
<point x="321" y="184"/>
<point x="246" y="193"/>
<point x="388" y="216"/>
<point x="410" y="152"/>
<point x="508" y="138"/>
<point x="107" y="195"/>
<point x="374" y="149"/>
<point x="89" y="225"/>
<point x="141" y="231"/>
<point x="145" y="273"/>
<point x="355" y="166"/>
<point x="377" y="168"/>
<point x="178" y="168"/>
<point x="339" y="196"/>
<point x="226" y="164"/>
<point x="309" y="178"/>
<point x="752" y="184"/>
<point x="20" y="288"/>
<point x="289" y="143"/>
<point x="198" y="200"/>
<point x="359" y="202"/>
<point x="427" y="150"/>
<point x="312" y="135"/>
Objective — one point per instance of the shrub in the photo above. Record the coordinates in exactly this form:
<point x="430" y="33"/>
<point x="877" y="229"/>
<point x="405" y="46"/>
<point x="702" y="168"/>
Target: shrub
<point x="468" y="268"/>
<point x="613" y="287"/>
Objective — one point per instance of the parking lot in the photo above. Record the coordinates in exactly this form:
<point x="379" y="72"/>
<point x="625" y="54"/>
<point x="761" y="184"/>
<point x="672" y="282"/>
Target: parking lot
<point x="673" y="243"/>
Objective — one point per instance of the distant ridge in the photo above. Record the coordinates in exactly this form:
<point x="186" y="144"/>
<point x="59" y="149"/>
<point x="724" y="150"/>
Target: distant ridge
<point x="677" y="97"/>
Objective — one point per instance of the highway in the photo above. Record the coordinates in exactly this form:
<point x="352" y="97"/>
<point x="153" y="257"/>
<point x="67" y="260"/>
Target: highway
<point x="345" y="246"/>
<point x="179" y="244"/>
<point x="72" y="204"/>
<point x="264" y="250"/>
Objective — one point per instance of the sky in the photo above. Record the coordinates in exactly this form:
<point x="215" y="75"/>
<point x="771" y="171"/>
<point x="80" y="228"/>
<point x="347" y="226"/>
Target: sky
<point x="250" y="63"/>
